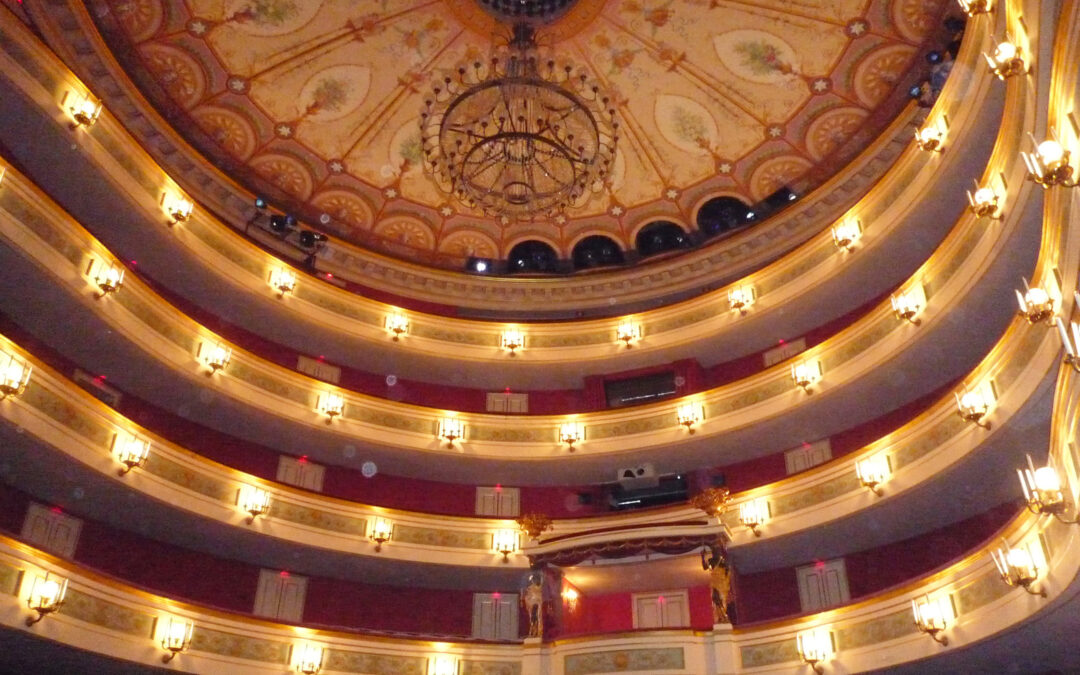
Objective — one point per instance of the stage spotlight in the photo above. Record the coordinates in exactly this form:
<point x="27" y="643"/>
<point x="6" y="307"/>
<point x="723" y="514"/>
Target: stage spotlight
<point x="308" y="238"/>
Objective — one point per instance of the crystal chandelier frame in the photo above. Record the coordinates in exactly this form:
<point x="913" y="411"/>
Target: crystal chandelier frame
<point x="517" y="137"/>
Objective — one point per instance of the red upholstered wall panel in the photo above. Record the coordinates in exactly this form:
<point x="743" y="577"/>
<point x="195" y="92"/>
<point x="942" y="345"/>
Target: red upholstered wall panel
<point x="606" y="613"/>
<point x="765" y="595"/>
<point x="408" y="610"/>
<point x="613" y="613"/>
<point x="700" y="607"/>
<point x="230" y="585"/>
<point x="879" y="568"/>
<point x="772" y="594"/>
<point x="167" y="569"/>
<point x="12" y="509"/>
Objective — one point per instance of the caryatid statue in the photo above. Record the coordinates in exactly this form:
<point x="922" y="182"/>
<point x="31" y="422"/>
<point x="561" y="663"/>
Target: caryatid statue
<point x="532" y="599"/>
<point x="716" y="565"/>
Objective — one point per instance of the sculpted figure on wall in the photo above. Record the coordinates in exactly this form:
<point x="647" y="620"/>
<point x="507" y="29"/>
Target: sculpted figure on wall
<point x="532" y="599"/>
<point x="716" y="564"/>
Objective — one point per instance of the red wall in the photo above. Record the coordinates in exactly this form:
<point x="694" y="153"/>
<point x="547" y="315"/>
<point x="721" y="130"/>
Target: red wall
<point x="613" y="613"/>
<point x="13" y="505"/>
<point x="598" y="613"/>
<point x="701" y="614"/>
<point x="449" y="498"/>
<point x="230" y="585"/>
<point x="170" y="570"/>
<point x="458" y="499"/>
<point x="337" y="604"/>
<point x="772" y="594"/>
<point x="879" y="568"/>
<point x="541" y="402"/>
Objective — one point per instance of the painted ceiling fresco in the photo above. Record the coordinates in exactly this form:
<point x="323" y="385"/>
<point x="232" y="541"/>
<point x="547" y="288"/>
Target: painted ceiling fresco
<point x="316" y="103"/>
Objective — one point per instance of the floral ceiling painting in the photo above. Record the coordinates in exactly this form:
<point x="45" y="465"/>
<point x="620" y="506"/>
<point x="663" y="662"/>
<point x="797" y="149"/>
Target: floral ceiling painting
<point x="316" y="103"/>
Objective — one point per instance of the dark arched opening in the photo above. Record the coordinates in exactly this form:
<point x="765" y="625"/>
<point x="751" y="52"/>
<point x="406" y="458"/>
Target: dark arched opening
<point x="660" y="237"/>
<point x="596" y="251"/>
<point x="721" y="215"/>
<point x="532" y="256"/>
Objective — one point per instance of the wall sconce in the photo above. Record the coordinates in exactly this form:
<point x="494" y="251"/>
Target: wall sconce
<point x="451" y="429"/>
<point x="1042" y="491"/>
<point x="754" y="513"/>
<point x="512" y="340"/>
<point x="14" y="375"/>
<point x="933" y="616"/>
<point x="1049" y="164"/>
<point x="815" y="646"/>
<point x="176" y="637"/>
<point x="628" y="332"/>
<point x="84" y="109"/>
<point x="46" y="596"/>
<point x="845" y="234"/>
<point x="973" y="405"/>
<point x="178" y="207"/>
<point x="906" y="305"/>
<point x="974" y="7"/>
<point x="308" y="659"/>
<point x="283" y="280"/>
<point x="108" y="277"/>
<point x="255" y="501"/>
<point x="1070" y="340"/>
<point x="873" y="471"/>
<point x="983" y="202"/>
<point x="505" y="542"/>
<point x="570" y="433"/>
<point x="689" y="414"/>
<point x="570" y="598"/>
<point x="1006" y="60"/>
<point x="1017" y="567"/>
<point x="398" y="324"/>
<point x="740" y="298"/>
<point x="331" y="404"/>
<point x="806" y="374"/>
<point x="215" y="355"/>
<point x="442" y="664"/>
<point x="930" y="138"/>
<point x="1036" y="304"/>
<point x="131" y="451"/>
<point x="381" y="531"/>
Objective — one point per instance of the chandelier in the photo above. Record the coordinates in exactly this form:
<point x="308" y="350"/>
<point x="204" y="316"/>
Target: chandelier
<point x="516" y="137"/>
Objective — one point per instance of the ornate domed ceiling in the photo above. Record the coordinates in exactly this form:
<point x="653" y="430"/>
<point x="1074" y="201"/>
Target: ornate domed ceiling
<point x="316" y="103"/>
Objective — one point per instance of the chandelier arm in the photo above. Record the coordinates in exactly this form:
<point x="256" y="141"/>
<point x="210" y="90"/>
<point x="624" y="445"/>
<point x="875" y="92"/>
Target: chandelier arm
<point x="480" y="166"/>
<point x="508" y="106"/>
<point x="555" y="178"/>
